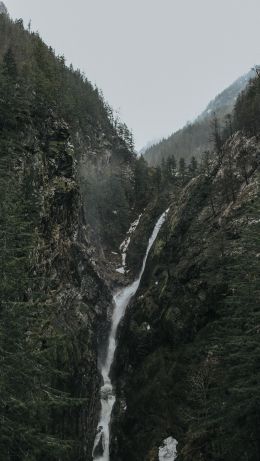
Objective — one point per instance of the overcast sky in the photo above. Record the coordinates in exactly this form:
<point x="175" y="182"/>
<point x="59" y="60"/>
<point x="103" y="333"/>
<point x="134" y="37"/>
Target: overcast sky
<point x="159" y="62"/>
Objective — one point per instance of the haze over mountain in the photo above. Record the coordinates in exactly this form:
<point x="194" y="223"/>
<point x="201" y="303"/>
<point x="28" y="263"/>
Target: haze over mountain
<point x="148" y="145"/>
<point x="129" y="294"/>
<point x="3" y="9"/>
<point x="195" y="137"/>
<point x="158" y="63"/>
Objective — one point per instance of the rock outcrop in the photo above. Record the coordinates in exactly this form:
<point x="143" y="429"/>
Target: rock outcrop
<point x="57" y="234"/>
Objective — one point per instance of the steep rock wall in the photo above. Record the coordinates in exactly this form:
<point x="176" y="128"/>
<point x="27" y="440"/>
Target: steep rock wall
<point x="182" y="366"/>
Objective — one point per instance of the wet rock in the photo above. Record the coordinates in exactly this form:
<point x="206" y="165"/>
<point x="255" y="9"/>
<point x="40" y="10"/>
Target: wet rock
<point x="99" y="448"/>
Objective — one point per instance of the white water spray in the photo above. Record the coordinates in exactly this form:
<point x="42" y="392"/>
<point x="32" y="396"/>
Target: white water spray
<point x="121" y="301"/>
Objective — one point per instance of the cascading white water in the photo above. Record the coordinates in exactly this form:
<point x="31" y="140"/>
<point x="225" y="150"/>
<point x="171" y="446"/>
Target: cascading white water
<point x="121" y="301"/>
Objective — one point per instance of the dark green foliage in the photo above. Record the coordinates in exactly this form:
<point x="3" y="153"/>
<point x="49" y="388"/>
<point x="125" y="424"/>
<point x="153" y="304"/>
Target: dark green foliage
<point x="173" y="176"/>
<point x="43" y="377"/>
<point x="188" y="364"/>
<point x="50" y="85"/>
<point x="194" y="373"/>
<point x="193" y="166"/>
<point x="27" y="373"/>
<point x="9" y="65"/>
<point x="182" y="169"/>
<point x="247" y="109"/>
<point x="169" y="168"/>
<point x="216" y="135"/>
<point x="231" y="372"/>
<point x="142" y="182"/>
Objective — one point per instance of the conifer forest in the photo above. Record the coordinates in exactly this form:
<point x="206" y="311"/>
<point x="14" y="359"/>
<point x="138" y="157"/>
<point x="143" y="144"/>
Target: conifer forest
<point x="129" y="282"/>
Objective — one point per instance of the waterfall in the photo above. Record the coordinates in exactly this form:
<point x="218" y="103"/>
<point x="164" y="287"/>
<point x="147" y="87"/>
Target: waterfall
<point x="121" y="300"/>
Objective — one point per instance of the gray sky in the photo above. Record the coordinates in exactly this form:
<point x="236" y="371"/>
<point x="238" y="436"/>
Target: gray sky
<point x="159" y="62"/>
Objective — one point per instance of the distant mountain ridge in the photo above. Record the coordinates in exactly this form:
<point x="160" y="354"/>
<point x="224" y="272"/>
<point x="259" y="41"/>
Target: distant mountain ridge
<point x="148" y="145"/>
<point x="3" y="9"/>
<point x="227" y="98"/>
<point x="194" y="138"/>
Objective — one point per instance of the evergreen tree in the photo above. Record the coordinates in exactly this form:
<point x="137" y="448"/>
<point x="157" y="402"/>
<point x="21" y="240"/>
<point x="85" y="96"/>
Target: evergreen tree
<point x="182" y="169"/>
<point x="9" y="65"/>
<point x="170" y="168"/>
<point x="193" y="166"/>
<point x="216" y="136"/>
<point x="142" y="181"/>
<point x="158" y="178"/>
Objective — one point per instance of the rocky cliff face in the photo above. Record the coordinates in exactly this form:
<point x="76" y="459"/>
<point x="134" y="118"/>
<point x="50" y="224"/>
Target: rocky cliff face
<point x="71" y="283"/>
<point x="106" y="178"/>
<point x="56" y="144"/>
<point x="182" y="367"/>
<point x="187" y="365"/>
<point x="69" y="295"/>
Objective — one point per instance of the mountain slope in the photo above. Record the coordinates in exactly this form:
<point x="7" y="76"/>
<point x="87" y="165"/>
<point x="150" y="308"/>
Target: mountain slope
<point x="188" y="356"/>
<point x="57" y="139"/>
<point x="195" y="138"/>
<point x="187" y="366"/>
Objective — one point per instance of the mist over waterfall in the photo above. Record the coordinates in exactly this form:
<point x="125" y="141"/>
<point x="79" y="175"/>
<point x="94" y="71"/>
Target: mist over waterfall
<point x="121" y="300"/>
<point x="109" y="352"/>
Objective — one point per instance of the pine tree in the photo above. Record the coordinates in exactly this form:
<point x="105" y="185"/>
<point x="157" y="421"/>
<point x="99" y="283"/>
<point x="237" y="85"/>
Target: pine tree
<point x="142" y="180"/>
<point x="216" y="136"/>
<point x="193" y="166"/>
<point x="182" y="169"/>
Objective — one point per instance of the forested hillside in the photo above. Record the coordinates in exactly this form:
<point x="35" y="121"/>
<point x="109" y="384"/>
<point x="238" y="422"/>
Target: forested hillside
<point x="196" y="137"/>
<point x="58" y="139"/>
<point x="77" y="208"/>
<point x="187" y="366"/>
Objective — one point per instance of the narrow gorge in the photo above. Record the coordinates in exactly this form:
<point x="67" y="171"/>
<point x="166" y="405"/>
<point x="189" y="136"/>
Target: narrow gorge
<point x="121" y="300"/>
<point x="127" y="332"/>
